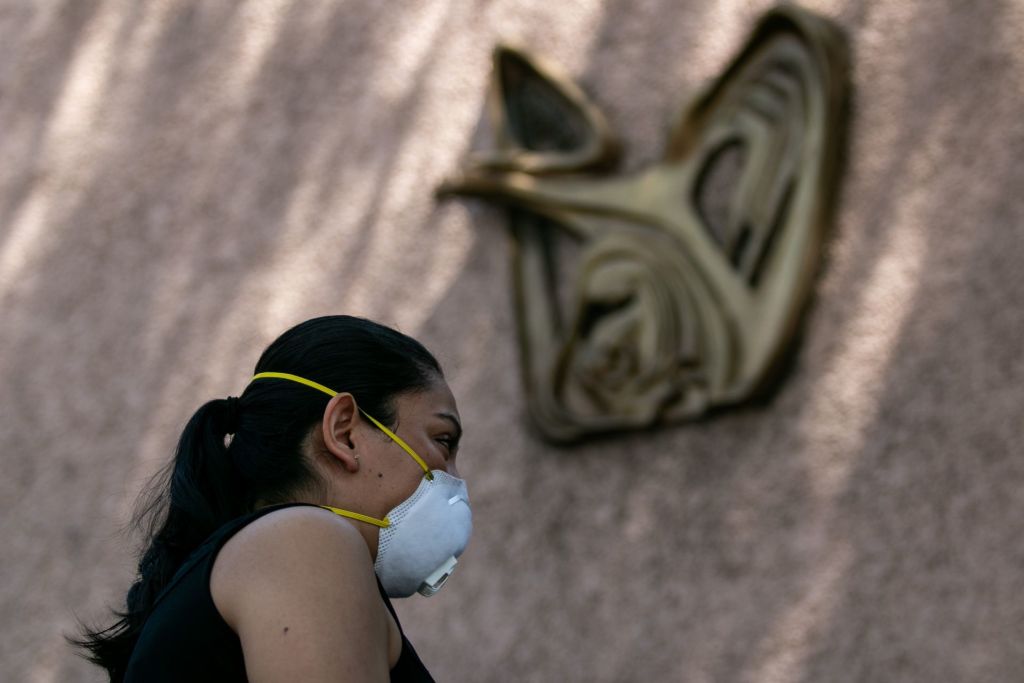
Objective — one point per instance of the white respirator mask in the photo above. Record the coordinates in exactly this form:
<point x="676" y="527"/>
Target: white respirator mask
<point x="417" y="551"/>
<point x="422" y="537"/>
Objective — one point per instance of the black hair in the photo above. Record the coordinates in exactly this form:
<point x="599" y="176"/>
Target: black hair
<point x="212" y="480"/>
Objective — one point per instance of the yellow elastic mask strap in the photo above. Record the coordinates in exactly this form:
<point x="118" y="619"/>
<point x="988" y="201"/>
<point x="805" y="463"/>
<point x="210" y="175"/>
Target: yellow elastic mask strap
<point x="330" y="392"/>
<point x="295" y="378"/>
<point x="408" y="449"/>
<point x="383" y="523"/>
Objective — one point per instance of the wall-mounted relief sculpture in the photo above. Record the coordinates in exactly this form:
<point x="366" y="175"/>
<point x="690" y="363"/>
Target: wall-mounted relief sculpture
<point x="693" y="273"/>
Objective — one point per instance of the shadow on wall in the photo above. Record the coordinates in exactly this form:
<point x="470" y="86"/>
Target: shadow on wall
<point x="925" y="520"/>
<point x="897" y="558"/>
<point x="155" y="161"/>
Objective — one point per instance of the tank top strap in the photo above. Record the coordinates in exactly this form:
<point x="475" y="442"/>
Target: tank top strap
<point x="409" y="668"/>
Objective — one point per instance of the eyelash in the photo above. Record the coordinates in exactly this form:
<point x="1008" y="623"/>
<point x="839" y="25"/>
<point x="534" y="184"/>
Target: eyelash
<point x="448" y="443"/>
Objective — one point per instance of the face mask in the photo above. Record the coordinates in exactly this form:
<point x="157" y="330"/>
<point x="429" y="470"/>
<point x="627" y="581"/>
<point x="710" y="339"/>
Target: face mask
<point x="428" y="531"/>
<point x="423" y="535"/>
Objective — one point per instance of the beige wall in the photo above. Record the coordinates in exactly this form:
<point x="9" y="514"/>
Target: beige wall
<point x="181" y="181"/>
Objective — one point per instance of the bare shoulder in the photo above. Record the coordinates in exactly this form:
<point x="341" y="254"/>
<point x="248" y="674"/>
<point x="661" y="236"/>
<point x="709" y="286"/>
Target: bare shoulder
<point x="294" y="544"/>
<point x="297" y="586"/>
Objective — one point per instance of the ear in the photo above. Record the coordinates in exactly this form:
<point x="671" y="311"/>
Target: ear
<point x="340" y="418"/>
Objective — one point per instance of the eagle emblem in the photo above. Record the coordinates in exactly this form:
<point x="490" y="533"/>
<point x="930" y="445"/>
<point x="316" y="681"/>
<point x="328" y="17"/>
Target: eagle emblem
<point x="691" y="275"/>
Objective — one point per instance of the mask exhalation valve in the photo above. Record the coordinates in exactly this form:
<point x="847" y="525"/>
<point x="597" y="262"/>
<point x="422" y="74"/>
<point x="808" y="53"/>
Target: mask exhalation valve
<point x="433" y="583"/>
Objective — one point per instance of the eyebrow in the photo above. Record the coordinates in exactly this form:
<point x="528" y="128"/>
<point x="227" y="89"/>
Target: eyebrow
<point x="455" y="422"/>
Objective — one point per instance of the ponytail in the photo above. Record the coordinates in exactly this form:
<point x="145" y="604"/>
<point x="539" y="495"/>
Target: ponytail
<point x="237" y="452"/>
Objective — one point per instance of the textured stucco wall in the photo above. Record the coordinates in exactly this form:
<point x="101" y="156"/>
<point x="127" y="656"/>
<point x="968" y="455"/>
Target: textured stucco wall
<point x="181" y="181"/>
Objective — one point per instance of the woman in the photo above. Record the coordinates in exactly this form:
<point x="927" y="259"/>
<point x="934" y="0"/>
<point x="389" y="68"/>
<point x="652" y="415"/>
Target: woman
<point x="291" y="514"/>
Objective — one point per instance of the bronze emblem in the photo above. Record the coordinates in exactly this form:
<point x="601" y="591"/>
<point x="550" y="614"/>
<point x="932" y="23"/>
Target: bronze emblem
<point x="692" y="273"/>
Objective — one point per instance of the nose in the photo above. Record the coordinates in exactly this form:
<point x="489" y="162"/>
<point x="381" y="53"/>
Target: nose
<point x="451" y="469"/>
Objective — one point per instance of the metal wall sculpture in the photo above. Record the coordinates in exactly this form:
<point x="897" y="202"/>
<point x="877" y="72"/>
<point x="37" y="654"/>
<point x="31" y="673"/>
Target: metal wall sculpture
<point x="694" y="272"/>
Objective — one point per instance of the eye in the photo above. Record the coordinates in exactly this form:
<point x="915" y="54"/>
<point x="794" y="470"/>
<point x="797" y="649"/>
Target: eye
<point x="448" y="442"/>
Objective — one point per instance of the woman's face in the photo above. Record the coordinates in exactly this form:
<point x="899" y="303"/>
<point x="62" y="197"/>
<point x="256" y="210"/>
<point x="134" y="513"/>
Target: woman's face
<point x="428" y="421"/>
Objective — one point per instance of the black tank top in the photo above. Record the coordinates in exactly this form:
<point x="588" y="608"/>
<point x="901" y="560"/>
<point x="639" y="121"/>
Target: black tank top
<point x="185" y="638"/>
